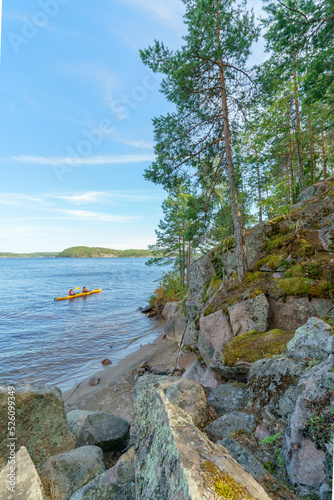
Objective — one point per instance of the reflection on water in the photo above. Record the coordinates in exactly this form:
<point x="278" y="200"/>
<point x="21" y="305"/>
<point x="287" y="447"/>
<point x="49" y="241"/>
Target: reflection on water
<point x="63" y="342"/>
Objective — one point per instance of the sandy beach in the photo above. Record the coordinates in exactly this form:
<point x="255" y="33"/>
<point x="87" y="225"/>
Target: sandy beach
<point x="114" y="391"/>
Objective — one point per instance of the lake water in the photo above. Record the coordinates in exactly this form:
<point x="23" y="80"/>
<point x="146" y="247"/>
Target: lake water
<point x="61" y="343"/>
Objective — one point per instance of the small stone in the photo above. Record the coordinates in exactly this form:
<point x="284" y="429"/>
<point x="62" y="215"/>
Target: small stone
<point x="106" y="362"/>
<point x="277" y="276"/>
<point x="261" y="432"/>
<point x="227" y="397"/>
<point x="94" y="381"/>
<point x="144" y="365"/>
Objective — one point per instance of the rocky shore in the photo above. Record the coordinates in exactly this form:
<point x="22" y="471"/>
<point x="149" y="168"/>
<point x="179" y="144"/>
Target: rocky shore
<point x="236" y="402"/>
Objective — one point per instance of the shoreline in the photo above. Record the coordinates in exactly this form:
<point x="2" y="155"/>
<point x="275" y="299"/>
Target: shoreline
<point x="114" y="391"/>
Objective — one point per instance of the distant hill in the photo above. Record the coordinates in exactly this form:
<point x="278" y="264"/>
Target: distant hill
<point x="98" y="252"/>
<point x="36" y="255"/>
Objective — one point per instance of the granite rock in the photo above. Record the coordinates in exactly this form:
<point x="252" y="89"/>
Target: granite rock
<point x="313" y="340"/>
<point x="251" y="314"/>
<point x="228" y="424"/>
<point x="41" y="425"/>
<point x="63" y="474"/>
<point x="99" y="428"/>
<point x="227" y="398"/>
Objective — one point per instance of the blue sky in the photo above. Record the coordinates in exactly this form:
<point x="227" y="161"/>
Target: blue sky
<point x="76" y="105"/>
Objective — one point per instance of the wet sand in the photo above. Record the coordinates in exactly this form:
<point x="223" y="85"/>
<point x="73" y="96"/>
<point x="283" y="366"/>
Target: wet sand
<point x="114" y="391"/>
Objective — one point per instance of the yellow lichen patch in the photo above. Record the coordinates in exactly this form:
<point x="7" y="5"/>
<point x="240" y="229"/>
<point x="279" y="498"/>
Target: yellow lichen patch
<point x="253" y="345"/>
<point x="224" y="484"/>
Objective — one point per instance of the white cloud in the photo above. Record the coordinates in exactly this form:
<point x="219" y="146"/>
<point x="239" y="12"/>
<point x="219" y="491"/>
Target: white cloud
<point x="102" y="196"/>
<point x="18" y="199"/>
<point x="90" y="216"/>
<point x="91" y="160"/>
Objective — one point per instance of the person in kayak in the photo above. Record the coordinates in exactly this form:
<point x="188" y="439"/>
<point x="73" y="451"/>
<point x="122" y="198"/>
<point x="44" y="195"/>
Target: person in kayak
<point x="84" y="290"/>
<point x="71" y="292"/>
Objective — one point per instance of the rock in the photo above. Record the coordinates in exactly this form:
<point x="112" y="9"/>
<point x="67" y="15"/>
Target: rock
<point x="94" y="381"/>
<point x="227" y="398"/>
<point x="252" y="314"/>
<point x="261" y="432"/>
<point x="312" y="213"/>
<point x="192" y="327"/>
<point x="65" y="473"/>
<point x="200" y="272"/>
<point x="307" y="448"/>
<point x="239" y="373"/>
<point x="106" y="362"/>
<point x="205" y="348"/>
<point x="169" y="310"/>
<point x="243" y="457"/>
<point x="99" y="428"/>
<point x="190" y="396"/>
<point x="174" y="460"/>
<point x="185" y="359"/>
<point x="41" y="424"/>
<point x="116" y="483"/>
<point x="175" y="327"/>
<point x="146" y="310"/>
<point x="326" y="233"/>
<point x="201" y="374"/>
<point x="272" y="385"/>
<point x="277" y="276"/>
<point x="307" y="193"/>
<point x="313" y="340"/>
<point x="293" y="312"/>
<point x="216" y="329"/>
<point x="25" y="484"/>
<point x="230" y="423"/>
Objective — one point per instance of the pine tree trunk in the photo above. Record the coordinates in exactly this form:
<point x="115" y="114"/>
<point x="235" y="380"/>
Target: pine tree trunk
<point x="189" y="260"/>
<point x="299" y="135"/>
<point x="311" y="148"/>
<point x="259" y="194"/>
<point x="183" y="257"/>
<point x="239" y="228"/>
<point x="290" y="158"/>
<point x="324" y="159"/>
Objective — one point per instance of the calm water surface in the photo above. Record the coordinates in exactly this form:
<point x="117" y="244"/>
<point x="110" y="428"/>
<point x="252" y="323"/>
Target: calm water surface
<point x="63" y="342"/>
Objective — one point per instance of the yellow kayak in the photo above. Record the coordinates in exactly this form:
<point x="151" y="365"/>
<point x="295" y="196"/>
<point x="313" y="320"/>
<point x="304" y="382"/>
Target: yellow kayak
<point x="79" y="295"/>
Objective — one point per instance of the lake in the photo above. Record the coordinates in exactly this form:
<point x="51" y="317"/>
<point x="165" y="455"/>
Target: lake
<point x="61" y="343"/>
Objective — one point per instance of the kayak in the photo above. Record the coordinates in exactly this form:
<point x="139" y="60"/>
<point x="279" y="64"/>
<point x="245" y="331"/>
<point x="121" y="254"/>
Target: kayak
<point x="79" y="295"/>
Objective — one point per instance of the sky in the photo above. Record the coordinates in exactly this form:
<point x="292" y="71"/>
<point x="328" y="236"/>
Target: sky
<point x="76" y="109"/>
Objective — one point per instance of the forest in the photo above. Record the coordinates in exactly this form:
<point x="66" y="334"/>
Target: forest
<point x="241" y="142"/>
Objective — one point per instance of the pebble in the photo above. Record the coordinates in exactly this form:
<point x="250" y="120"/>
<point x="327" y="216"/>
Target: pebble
<point x="94" y="381"/>
<point x="106" y="362"/>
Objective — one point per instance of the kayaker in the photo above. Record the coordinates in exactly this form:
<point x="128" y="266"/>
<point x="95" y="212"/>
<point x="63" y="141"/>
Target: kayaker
<point x="84" y="290"/>
<point x="71" y="292"/>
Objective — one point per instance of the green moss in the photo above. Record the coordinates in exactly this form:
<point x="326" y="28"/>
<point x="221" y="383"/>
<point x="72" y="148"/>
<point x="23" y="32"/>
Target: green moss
<point x="305" y="249"/>
<point x="297" y="271"/>
<point x="215" y="283"/>
<point x="253" y="345"/>
<point x="276" y="243"/>
<point x="223" y="484"/>
<point x="270" y="467"/>
<point x="293" y="286"/>
<point x="252" y="277"/>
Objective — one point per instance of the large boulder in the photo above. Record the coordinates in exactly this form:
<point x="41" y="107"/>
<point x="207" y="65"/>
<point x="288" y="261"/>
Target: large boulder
<point x="326" y="233"/>
<point x="41" y="425"/>
<point x="293" y="312"/>
<point x="227" y="398"/>
<point x="228" y="424"/>
<point x="19" y="479"/>
<point x="201" y="374"/>
<point x="169" y="310"/>
<point x="175" y="460"/>
<point x="187" y="394"/>
<point x="271" y="387"/>
<point x="65" y="473"/>
<point x="251" y="314"/>
<point x="216" y="329"/>
<point x="313" y="340"/>
<point x="200" y="273"/>
<point x="175" y="326"/>
<point x="117" y="483"/>
<point x="99" y="428"/>
<point x="190" y="396"/>
<point x="307" y="448"/>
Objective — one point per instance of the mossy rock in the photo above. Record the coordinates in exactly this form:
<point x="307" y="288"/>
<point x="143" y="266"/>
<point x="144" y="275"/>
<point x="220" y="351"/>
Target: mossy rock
<point x="253" y="345"/>
<point x="223" y="484"/>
